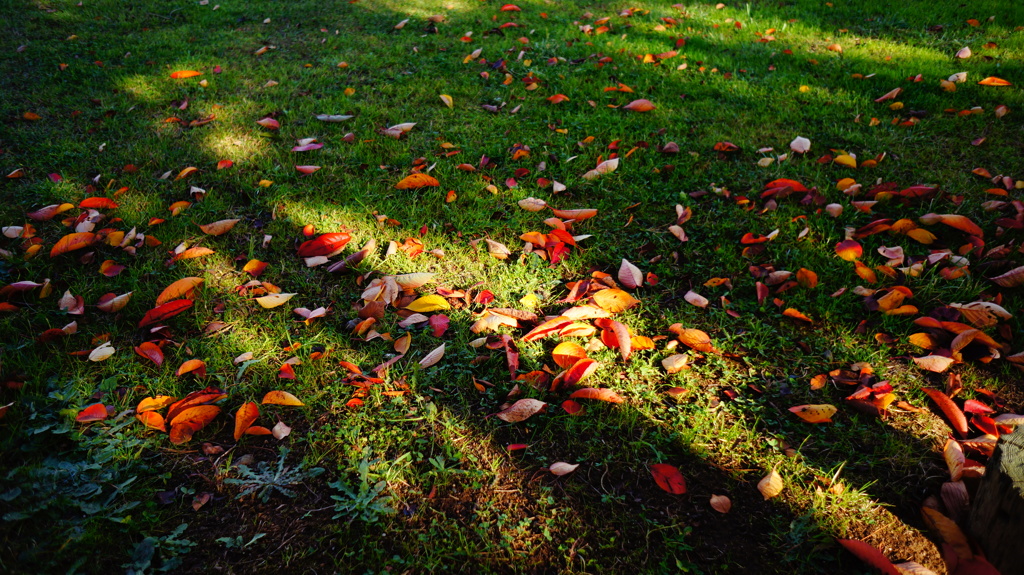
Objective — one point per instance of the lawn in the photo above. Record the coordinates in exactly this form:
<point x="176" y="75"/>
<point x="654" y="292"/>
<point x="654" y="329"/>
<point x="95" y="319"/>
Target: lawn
<point x="460" y="286"/>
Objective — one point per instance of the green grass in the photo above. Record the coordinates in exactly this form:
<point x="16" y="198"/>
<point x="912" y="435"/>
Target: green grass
<point x="87" y="497"/>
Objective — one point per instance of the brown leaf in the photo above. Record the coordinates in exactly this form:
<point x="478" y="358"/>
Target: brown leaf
<point x="521" y="410"/>
<point x="771" y="485"/>
<point x="721" y="503"/>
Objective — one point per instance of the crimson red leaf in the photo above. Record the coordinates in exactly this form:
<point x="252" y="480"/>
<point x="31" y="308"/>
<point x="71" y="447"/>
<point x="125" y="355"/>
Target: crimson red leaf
<point x="669" y="478"/>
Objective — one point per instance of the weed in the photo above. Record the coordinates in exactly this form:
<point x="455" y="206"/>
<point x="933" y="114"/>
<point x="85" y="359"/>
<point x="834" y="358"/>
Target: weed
<point x="159" y="554"/>
<point x="365" y="501"/>
<point x="265" y="480"/>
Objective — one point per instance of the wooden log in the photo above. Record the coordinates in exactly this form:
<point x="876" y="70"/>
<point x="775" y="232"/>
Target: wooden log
<point x="997" y="515"/>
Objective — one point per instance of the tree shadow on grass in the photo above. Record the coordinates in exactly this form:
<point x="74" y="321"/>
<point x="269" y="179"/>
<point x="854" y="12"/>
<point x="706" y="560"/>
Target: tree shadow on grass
<point x="608" y="515"/>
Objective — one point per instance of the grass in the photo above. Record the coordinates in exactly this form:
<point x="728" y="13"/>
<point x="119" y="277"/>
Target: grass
<point x="430" y="485"/>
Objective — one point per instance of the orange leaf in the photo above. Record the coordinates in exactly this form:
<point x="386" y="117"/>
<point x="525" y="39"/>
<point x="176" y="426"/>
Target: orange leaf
<point x="669" y="478"/>
<point x="180" y="74"/>
<point x="183" y="288"/>
<point x="325" y="245"/>
<point x="558" y="98"/>
<point x="245" y="417"/>
<point x="191" y="420"/>
<point x="224" y="164"/>
<point x="219" y="227"/>
<point x="956" y="417"/>
<point x="416" y="181"/>
<point x="568" y="353"/>
<point x="807" y="278"/>
<point x="602" y="394"/>
<point x="202" y="397"/>
<point x="258" y="430"/>
<point x="281" y="398"/>
<point x="195" y="366"/>
<point x="150" y="351"/>
<point x="70" y="242"/>
<point x="154" y="403"/>
<point x="186" y="173"/>
<point x="95" y="412"/>
<point x="152" y="420"/>
<point x="796" y="314"/>
<point x="614" y="300"/>
<point x="641" y="105"/>
<point x="192" y="253"/>
<point x="993" y="81"/>
<point x="254" y="268"/>
<point x="164" y="311"/>
<point x="578" y="215"/>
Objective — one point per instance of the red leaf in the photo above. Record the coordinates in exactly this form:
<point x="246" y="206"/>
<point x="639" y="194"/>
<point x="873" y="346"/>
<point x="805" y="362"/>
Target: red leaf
<point x="439" y="323"/>
<point x="95" y="412"/>
<point x="325" y="245"/>
<point x="150" y="351"/>
<point x="869" y="555"/>
<point x="167" y="310"/>
<point x="956" y="417"/>
<point x="669" y="478"/>
<point x="98" y="203"/>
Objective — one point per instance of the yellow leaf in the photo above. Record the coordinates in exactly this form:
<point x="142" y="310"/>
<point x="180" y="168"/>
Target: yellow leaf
<point x="815" y="413"/>
<point x="846" y="160"/>
<point x="428" y="303"/>
<point x="447" y="100"/>
<point x="274" y="300"/>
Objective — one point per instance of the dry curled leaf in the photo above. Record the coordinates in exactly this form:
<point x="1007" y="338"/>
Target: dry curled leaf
<point x="771" y="485"/>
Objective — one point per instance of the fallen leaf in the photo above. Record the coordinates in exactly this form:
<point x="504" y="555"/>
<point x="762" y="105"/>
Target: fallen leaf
<point x="433" y="357"/>
<point x="281" y="398"/>
<point x="416" y="181"/>
<point x="721" y="503"/>
<point x="274" y="300"/>
<point x="630" y="275"/>
<point x="521" y="410"/>
<point x="245" y="417"/>
<point x="562" y="468"/>
<point x="602" y="394"/>
<point x="815" y="413"/>
<point x="95" y="412"/>
<point x="771" y="485"/>
<point x="669" y="478"/>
